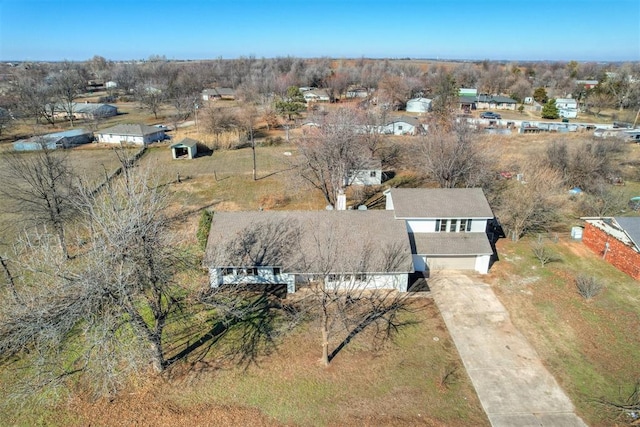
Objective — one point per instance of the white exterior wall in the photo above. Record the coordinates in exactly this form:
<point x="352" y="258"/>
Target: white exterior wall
<point x="398" y="128"/>
<point x="265" y="275"/>
<point x="429" y="225"/>
<point x="482" y="263"/>
<point x="378" y="281"/>
<point x="363" y="177"/>
<point x="117" y="139"/>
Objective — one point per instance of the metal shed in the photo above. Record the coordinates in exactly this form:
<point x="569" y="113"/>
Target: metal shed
<point x="187" y="148"/>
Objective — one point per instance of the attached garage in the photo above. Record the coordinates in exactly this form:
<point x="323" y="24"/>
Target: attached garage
<point x="451" y="251"/>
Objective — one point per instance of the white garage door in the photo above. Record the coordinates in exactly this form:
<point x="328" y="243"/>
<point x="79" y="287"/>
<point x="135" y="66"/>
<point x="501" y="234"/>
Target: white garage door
<point x="452" y="263"/>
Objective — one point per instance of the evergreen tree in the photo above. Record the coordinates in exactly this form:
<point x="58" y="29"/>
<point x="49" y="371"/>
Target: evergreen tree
<point x="540" y="95"/>
<point x="549" y="110"/>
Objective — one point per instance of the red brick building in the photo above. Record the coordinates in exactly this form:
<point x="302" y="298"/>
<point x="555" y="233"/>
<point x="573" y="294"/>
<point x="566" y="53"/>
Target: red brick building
<point x="617" y="240"/>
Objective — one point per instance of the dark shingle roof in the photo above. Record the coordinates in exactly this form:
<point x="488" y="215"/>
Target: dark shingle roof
<point x="440" y="203"/>
<point x="450" y="243"/>
<point x="631" y="226"/>
<point x="315" y="241"/>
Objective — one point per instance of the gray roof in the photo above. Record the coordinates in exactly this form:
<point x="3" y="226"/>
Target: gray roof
<point x="440" y="203"/>
<point x="631" y="226"/>
<point x="219" y="91"/>
<point x="450" y="244"/>
<point x="90" y="108"/>
<point x="406" y="119"/>
<point x="131" y="129"/>
<point x="185" y="142"/>
<point x="310" y="242"/>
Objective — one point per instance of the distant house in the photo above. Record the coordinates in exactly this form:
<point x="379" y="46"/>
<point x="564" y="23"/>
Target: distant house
<point x="486" y="102"/>
<point x="316" y="95"/>
<point x="186" y="148"/>
<point x="587" y="84"/>
<point x="54" y="140"/>
<point x="345" y="247"/>
<point x="86" y="110"/>
<point x="566" y="103"/>
<point x="467" y="92"/>
<point x="137" y="134"/>
<point x="217" y="93"/>
<point x="418" y="105"/>
<point x="110" y="85"/>
<point x="357" y="92"/>
<point x="447" y="227"/>
<point x="402" y="125"/>
<point x="616" y="240"/>
<point x="368" y="173"/>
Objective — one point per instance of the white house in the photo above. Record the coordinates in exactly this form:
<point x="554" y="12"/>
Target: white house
<point x="137" y="134"/>
<point x="316" y="95"/>
<point x="345" y="248"/>
<point x="402" y="126"/>
<point x="368" y="173"/>
<point x="216" y="93"/>
<point x="418" y="105"/>
<point x="566" y="103"/>
<point x="447" y="227"/>
<point x="420" y="230"/>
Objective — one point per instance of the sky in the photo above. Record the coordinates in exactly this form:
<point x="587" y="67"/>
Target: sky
<point x="562" y="30"/>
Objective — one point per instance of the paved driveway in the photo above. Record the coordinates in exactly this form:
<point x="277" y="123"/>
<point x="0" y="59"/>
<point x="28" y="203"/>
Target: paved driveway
<point x="513" y="385"/>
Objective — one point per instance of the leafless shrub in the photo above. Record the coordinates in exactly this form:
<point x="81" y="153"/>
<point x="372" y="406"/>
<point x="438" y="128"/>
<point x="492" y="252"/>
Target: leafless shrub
<point x="543" y="253"/>
<point x="588" y="286"/>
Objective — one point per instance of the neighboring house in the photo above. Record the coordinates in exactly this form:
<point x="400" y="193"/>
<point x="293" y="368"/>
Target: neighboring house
<point x="567" y="107"/>
<point x="496" y="102"/>
<point x="467" y="92"/>
<point x="357" y="92"/>
<point x="216" y="93"/>
<point x="186" y="148"/>
<point x="587" y="84"/>
<point x="316" y="95"/>
<point x="418" y="105"/>
<point x="131" y="134"/>
<point x="402" y="125"/>
<point x="447" y="227"/>
<point x="90" y="111"/>
<point x="55" y="140"/>
<point x="111" y="85"/>
<point x="347" y="248"/>
<point x="616" y="240"/>
<point x="369" y="173"/>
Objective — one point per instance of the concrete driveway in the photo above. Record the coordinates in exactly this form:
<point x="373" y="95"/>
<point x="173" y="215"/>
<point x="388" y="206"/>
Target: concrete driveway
<point x="513" y="385"/>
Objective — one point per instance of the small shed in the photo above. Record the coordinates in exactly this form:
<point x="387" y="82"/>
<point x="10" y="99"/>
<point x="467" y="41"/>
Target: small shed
<point x="419" y="105"/>
<point x="184" y="149"/>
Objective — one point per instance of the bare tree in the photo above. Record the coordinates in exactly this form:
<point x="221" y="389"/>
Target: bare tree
<point x="40" y="186"/>
<point x="218" y="120"/>
<point x="332" y="151"/>
<point x="105" y="313"/>
<point x="453" y="155"/>
<point x="150" y="98"/>
<point x="248" y="119"/>
<point x="66" y="86"/>
<point x="529" y="205"/>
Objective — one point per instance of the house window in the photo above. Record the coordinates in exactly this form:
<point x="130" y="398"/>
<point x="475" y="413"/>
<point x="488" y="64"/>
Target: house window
<point x="276" y="271"/>
<point x="463" y="225"/>
<point x="227" y="271"/>
<point x="443" y="225"/>
<point x="251" y="271"/>
<point x="468" y="225"/>
<point x="399" y="127"/>
<point x="372" y="174"/>
<point x="452" y="225"/>
<point x="333" y="277"/>
<point x="360" y="277"/>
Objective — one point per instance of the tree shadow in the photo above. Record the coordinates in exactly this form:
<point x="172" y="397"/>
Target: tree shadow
<point x="247" y="316"/>
<point x="383" y="315"/>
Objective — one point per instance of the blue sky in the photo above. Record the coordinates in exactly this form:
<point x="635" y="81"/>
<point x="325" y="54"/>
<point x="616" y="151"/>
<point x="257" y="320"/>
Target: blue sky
<point x="589" y="30"/>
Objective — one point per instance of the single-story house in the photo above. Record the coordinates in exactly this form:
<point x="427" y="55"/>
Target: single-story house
<point x="419" y="105"/>
<point x="86" y="110"/>
<point x="218" y="93"/>
<point x="616" y="240"/>
<point x="54" y="140"/>
<point x="566" y="103"/>
<point x="357" y="92"/>
<point x="587" y="84"/>
<point x="402" y="125"/>
<point x="316" y="95"/>
<point x="486" y="102"/>
<point x="186" y="148"/>
<point x="345" y="248"/>
<point x="447" y="227"/>
<point x="368" y="173"/>
<point x="137" y="134"/>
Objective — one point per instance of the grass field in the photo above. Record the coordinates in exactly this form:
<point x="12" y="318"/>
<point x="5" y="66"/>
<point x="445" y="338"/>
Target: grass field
<point x="590" y="346"/>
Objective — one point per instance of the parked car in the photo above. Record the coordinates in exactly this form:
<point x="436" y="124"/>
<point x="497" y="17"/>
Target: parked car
<point x="490" y="115"/>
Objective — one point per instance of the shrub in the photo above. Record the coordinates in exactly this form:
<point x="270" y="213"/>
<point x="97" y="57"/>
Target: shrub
<point x="203" y="228"/>
<point x="588" y="286"/>
<point x="272" y="141"/>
